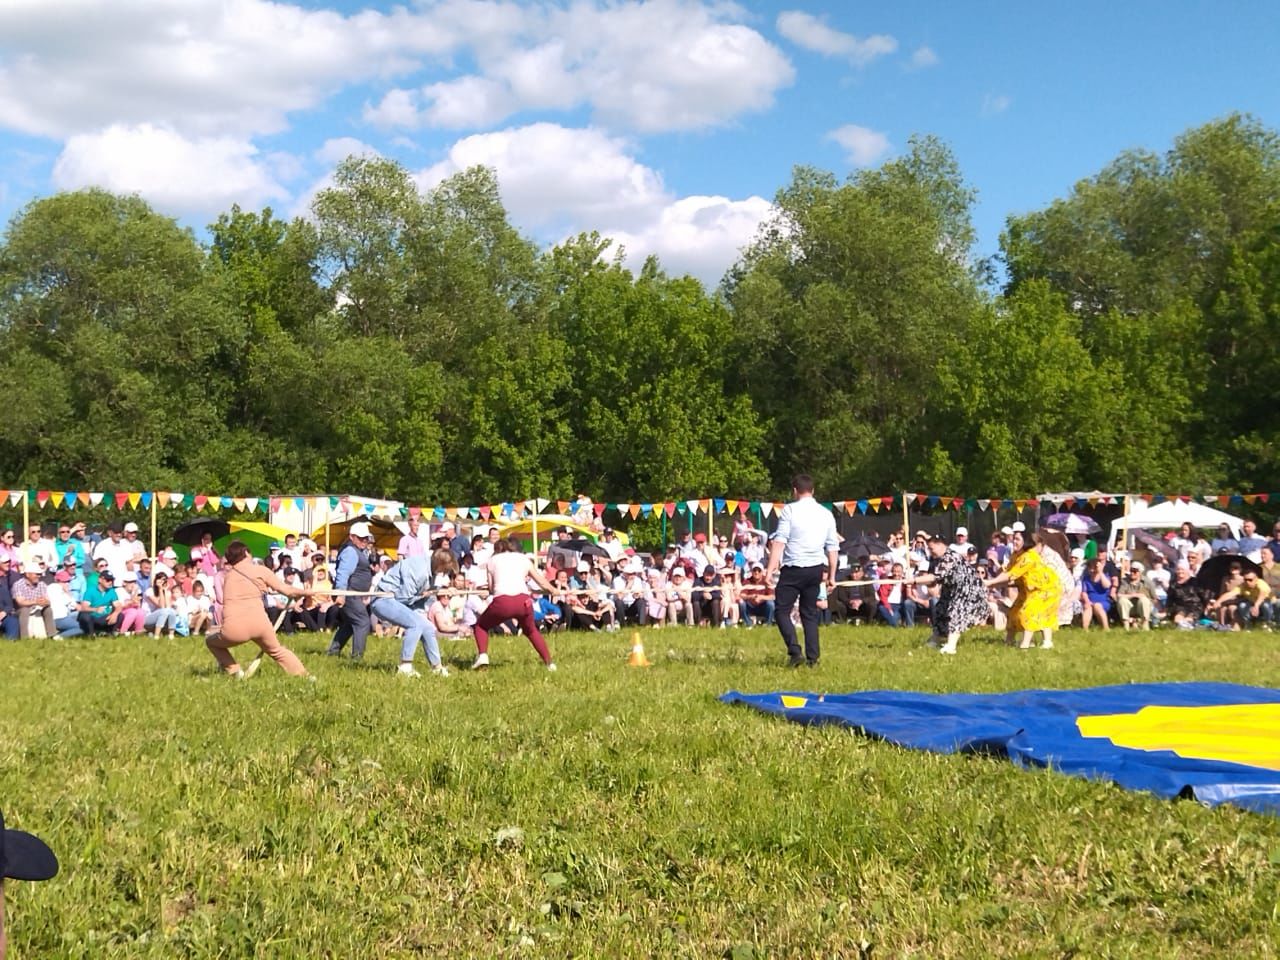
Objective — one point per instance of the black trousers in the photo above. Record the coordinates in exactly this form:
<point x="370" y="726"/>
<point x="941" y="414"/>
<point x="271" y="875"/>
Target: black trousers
<point x="803" y="584"/>
<point x="354" y="626"/>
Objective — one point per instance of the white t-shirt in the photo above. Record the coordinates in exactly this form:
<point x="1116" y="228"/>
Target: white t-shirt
<point x="509" y="574"/>
<point x="119" y="556"/>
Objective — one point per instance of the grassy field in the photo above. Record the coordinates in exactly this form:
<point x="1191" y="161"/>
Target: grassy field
<point x="600" y="811"/>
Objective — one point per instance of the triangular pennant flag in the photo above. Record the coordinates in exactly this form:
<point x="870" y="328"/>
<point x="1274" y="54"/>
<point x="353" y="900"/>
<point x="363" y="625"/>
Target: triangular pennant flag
<point x="888" y="502"/>
<point x="692" y="505"/>
<point x="851" y="507"/>
<point x="669" y="508"/>
<point x="450" y="512"/>
<point x="238" y="503"/>
<point x="42" y="497"/>
<point x="731" y="506"/>
<point x="655" y="509"/>
<point x="874" y="503"/>
<point x="57" y="497"/>
<point x="69" y="497"/>
<point x="251" y="504"/>
<point x="200" y="501"/>
<point x="562" y="506"/>
<point x="175" y="498"/>
<point x="704" y="506"/>
<point x="275" y="504"/>
<point x="777" y="505"/>
<point x="862" y="506"/>
<point x="300" y="503"/>
<point x="984" y="504"/>
<point x="682" y="509"/>
<point x="932" y="500"/>
<point x="121" y="499"/>
<point x="766" y="508"/>
<point x="83" y="497"/>
<point x="719" y="505"/>
<point x="96" y="498"/>
<point x="485" y="511"/>
<point x="1263" y="497"/>
<point x="225" y="502"/>
<point x="633" y="509"/>
<point x="1250" y="498"/>
<point x="957" y="503"/>
<point x="598" y="509"/>
<point x="16" y="495"/>
<point x="838" y="505"/>
<point x="437" y="512"/>
<point x="135" y="498"/>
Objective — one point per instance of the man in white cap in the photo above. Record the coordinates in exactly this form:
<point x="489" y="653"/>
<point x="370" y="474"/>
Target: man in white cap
<point x="354" y="572"/>
<point x="961" y="544"/>
<point x="131" y="538"/>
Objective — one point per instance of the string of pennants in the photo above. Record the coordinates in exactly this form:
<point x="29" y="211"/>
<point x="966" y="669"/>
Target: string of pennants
<point x="74" y="499"/>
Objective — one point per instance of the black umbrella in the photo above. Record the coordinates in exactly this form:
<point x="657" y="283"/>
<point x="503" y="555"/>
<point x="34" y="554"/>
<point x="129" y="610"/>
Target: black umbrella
<point x="192" y="532"/>
<point x="1156" y="545"/>
<point x="864" y="545"/>
<point x="1216" y="569"/>
<point x="584" y="547"/>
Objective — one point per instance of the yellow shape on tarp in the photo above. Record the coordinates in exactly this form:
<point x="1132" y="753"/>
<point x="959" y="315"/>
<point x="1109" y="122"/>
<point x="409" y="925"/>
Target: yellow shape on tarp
<point x="793" y="703"/>
<point x="1243" y="733"/>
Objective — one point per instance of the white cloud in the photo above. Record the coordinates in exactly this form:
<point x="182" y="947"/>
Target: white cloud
<point x="180" y="175"/>
<point x="654" y="66"/>
<point x="337" y="149"/>
<point x="557" y="181"/>
<point x="812" y="33"/>
<point x="862" y="145"/>
<point x="206" y="67"/>
<point x="994" y="103"/>
<point x="924" y="57"/>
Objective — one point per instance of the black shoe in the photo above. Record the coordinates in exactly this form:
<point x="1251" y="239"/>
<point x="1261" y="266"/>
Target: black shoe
<point x="796" y="661"/>
<point x="813" y="663"/>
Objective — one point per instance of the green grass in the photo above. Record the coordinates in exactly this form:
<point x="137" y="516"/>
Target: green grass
<point x="600" y="811"/>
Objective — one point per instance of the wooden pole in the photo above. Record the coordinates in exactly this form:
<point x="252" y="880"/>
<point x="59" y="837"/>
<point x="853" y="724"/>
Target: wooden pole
<point x="535" y="528"/>
<point x="906" y="521"/>
<point x="1124" y="536"/>
<point x="26" y="514"/>
<point x="153" y="523"/>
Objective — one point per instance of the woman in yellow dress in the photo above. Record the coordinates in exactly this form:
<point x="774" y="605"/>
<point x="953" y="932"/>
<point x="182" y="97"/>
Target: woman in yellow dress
<point x="1039" y="591"/>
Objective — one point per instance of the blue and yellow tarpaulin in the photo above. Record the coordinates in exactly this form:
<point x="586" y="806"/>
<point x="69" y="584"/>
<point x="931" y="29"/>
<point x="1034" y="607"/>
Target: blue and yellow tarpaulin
<point x="1217" y="742"/>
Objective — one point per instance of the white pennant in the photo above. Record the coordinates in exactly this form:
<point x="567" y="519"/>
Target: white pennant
<point x="96" y="498"/>
<point x="16" y="496"/>
<point x="766" y="508"/>
<point x="692" y="505"/>
<point x="251" y="503"/>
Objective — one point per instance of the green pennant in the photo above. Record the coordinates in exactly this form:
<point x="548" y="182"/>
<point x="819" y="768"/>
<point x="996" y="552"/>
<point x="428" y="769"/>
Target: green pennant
<point x="971" y="504"/>
<point x="189" y="500"/>
<point x="681" y="507"/>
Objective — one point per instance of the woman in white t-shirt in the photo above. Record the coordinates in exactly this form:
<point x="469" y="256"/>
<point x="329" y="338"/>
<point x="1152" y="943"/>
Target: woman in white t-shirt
<point x="509" y="576"/>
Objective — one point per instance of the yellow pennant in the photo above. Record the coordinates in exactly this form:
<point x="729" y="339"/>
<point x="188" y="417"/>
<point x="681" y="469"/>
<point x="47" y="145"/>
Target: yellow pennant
<point x="135" y="499"/>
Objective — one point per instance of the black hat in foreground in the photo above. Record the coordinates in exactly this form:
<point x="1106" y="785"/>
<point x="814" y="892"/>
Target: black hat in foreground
<point x="24" y="857"/>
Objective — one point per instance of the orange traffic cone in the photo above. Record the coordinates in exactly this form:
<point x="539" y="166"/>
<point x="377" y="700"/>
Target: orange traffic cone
<point x="637" y="658"/>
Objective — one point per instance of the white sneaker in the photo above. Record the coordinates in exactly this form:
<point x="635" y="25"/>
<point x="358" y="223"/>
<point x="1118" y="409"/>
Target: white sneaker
<point x="948" y="648"/>
<point x="482" y="661"/>
<point x="1046" y="645"/>
<point x="252" y="668"/>
<point x="440" y="671"/>
<point x="407" y="670"/>
<point x="551" y="668"/>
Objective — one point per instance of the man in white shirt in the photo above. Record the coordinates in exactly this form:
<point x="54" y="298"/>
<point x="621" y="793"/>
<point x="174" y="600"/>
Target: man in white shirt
<point x="961" y="546"/>
<point x="117" y="551"/>
<point x="803" y="552"/>
<point x="136" y="545"/>
<point x="38" y="552"/>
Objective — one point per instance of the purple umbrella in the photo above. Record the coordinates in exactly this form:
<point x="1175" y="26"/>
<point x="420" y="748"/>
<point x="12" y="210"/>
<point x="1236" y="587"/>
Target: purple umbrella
<point x="1071" y="523"/>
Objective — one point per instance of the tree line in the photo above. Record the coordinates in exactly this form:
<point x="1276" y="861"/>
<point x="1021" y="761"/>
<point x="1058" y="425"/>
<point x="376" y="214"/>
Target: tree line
<point x="395" y="343"/>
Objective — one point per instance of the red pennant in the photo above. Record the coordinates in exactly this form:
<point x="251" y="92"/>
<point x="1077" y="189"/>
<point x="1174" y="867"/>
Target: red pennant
<point x="1264" y="497"/>
<point x="485" y="511"/>
<point x="121" y="500"/>
<point x="42" y="497"/>
<point x="957" y="503"/>
<point x="415" y="512"/>
<point x="669" y="509"/>
<point x="888" y="502"/>
<point x="201" y="500"/>
<point x="598" y="509"/>
<point x="275" y="504"/>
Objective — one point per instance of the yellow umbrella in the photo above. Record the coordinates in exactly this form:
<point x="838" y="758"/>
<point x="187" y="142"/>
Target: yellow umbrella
<point x="548" y="524"/>
<point x="386" y="535"/>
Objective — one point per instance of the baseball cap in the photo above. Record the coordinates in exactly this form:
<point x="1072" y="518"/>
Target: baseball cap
<point x="677" y="571"/>
<point x="130" y="527"/>
<point x="1077" y="553"/>
<point x="700" y="537"/>
<point x="1006" y="530"/>
<point x="584" y="567"/>
<point x="962" y="531"/>
<point x="1019" y="527"/>
<point x="360" y="529"/>
<point x="62" y="576"/>
<point x="24" y="856"/>
<point x="1135" y="565"/>
<point x="130" y="577"/>
<point x="608" y="529"/>
<point x="169" y="553"/>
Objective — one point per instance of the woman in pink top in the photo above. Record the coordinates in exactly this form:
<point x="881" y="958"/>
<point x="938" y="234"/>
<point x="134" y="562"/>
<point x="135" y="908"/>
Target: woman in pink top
<point x="509" y="576"/>
<point x="206" y="555"/>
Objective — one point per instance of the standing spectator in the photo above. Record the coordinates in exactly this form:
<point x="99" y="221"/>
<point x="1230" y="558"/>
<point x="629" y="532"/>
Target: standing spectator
<point x="68" y="546"/>
<point x="31" y="597"/>
<point x="1224" y="542"/>
<point x="115" y="551"/>
<point x="205" y="557"/>
<point x="1250" y="544"/>
<point x="136" y="545"/>
<point x="8" y="548"/>
<point x="37" y="552"/>
<point x="412" y="544"/>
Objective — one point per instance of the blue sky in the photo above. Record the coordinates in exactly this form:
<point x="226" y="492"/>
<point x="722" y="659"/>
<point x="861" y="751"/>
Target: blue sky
<point x="669" y="124"/>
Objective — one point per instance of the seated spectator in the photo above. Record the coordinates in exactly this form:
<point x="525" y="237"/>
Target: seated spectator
<point x="546" y="614"/>
<point x="630" y="594"/>
<point x="893" y="600"/>
<point x="1134" y="595"/>
<point x="9" y="550"/>
<point x="853" y="604"/>
<point x="1096" y="599"/>
<point x="680" y="597"/>
<point x="756" y="598"/>
<point x="1270" y="569"/>
<point x="1159" y="578"/>
<point x="656" y="598"/>
<point x="99" y="607"/>
<point x="64" y="603"/>
<point x="1251" y="601"/>
<point x="31" y="598"/>
<point x="1185" y="603"/>
<point x="707" y="598"/>
<point x="132" y="616"/>
<point x="1230" y="583"/>
<point x="8" y="612"/>
<point x="592" y="608"/>
<point x="199" y="609"/>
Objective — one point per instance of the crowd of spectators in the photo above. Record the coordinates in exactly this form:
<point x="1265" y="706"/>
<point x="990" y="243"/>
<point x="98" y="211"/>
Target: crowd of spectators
<point x="75" y="583"/>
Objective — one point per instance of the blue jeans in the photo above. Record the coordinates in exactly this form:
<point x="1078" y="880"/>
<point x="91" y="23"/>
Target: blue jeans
<point x="416" y="628"/>
<point x="68" y="626"/>
<point x="758" y="612"/>
<point x="166" y="619"/>
<point x="1244" y="613"/>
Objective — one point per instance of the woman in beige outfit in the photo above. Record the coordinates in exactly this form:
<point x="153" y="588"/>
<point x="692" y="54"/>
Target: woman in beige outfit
<point x="244" y="618"/>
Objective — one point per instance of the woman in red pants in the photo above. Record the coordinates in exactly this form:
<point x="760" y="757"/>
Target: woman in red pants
<point x="509" y="574"/>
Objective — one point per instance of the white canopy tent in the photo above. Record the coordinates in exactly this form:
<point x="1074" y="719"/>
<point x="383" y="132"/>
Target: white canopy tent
<point x="1170" y="515"/>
